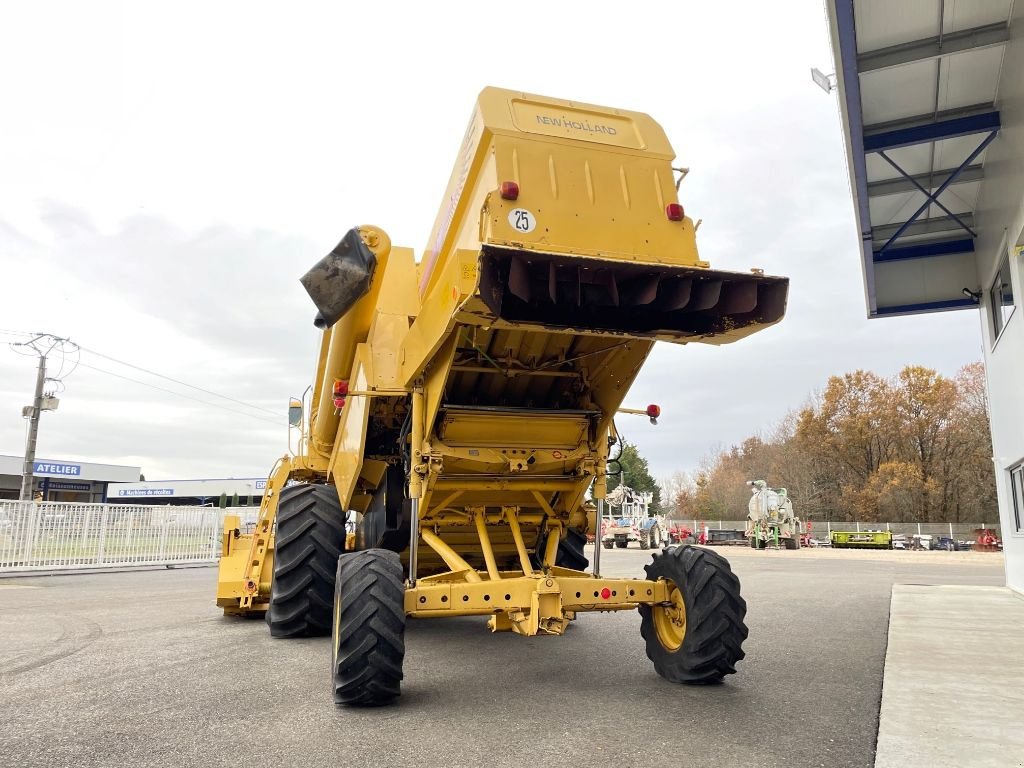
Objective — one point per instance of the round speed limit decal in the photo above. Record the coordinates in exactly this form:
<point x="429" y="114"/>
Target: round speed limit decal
<point x="521" y="220"/>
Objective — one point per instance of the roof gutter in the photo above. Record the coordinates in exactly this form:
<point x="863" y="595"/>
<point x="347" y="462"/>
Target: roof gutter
<point x="844" y="50"/>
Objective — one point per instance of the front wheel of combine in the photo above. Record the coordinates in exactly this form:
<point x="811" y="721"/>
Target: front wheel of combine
<point x="369" y="628"/>
<point x="310" y="536"/>
<point x="697" y="636"/>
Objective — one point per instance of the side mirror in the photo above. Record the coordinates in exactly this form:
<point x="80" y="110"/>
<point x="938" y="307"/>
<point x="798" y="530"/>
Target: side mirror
<point x="294" y="412"/>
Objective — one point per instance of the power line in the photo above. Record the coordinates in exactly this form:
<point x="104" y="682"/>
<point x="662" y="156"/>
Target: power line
<point x="179" y="394"/>
<point x="176" y="381"/>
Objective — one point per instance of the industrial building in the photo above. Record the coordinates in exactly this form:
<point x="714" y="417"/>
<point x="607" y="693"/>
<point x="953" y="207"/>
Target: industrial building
<point x="90" y="482"/>
<point x="236" y="491"/>
<point x="63" y="479"/>
<point x="931" y="96"/>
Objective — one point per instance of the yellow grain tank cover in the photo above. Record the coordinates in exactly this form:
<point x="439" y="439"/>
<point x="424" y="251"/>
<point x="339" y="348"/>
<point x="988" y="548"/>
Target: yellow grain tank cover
<point x="576" y="166"/>
<point x="573" y="211"/>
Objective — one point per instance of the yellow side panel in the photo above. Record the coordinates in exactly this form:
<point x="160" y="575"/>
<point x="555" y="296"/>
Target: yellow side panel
<point x="347" y="460"/>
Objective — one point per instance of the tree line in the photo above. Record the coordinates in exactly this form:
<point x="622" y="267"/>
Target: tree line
<point x="912" y="447"/>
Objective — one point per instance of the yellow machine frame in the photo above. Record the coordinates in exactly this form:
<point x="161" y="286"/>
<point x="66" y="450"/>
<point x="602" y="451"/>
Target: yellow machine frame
<point x="600" y="186"/>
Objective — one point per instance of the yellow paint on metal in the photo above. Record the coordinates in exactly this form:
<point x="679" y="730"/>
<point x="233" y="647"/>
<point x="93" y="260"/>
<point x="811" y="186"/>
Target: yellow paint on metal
<point x="670" y="619"/>
<point x="504" y="418"/>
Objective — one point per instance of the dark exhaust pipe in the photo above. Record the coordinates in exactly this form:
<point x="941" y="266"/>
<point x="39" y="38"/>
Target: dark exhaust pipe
<point x="340" y="279"/>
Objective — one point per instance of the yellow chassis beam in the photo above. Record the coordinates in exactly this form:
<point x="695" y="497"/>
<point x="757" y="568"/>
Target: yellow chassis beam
<point x="540" y="603"/>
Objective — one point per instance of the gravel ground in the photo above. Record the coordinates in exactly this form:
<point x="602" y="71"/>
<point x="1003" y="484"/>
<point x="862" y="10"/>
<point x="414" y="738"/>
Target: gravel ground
<point x="140" y="669"/>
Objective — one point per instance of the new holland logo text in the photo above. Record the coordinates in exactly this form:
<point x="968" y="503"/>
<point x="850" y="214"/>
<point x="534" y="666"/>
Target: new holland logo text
<point x="585" y="125"/>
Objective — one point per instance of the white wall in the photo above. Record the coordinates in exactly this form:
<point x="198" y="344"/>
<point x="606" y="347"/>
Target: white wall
<point x="1001" y="214"/>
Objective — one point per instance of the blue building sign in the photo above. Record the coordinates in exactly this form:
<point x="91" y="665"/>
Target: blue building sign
<point x="56" y="468"/>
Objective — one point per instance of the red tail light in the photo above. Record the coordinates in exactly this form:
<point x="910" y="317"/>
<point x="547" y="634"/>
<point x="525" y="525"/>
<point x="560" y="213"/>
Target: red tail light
<point x="654" y="411"/>
<point x="509" y="190"/>
<point x="675" y="212"/>
<point x="606" y="593"/>
<point x="340" y="390"/>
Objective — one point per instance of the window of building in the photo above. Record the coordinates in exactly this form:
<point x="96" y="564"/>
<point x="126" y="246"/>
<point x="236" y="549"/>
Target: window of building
<point x="1000" y="297"/>
<point x="1017" y="495"/>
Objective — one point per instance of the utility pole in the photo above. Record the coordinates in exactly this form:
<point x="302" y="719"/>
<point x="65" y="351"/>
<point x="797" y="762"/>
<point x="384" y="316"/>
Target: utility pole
<point x="28" y="470"/>
<point x="42" y="345"/>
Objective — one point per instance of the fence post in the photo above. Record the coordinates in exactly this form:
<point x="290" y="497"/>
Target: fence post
<point x="918" y="529"/>
<point x="102" y="538"/>
<point x="887" y="527"/>
<point x="950" y="530"/>
<point x="84" y="543"/>
<point x="34" y="519"/>
<point x="719" y="525"/>
<point x="217" y="522"/>
<point x="828" y="526"/>
<point x="162" y="554"/>
<point x="858" y="526"/>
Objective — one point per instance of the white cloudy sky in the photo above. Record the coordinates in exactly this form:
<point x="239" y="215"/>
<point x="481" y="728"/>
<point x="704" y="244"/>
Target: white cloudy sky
<point x="168" y="170"/>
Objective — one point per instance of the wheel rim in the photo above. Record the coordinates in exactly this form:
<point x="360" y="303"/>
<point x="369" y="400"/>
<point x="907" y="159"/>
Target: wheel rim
<point x="670" y="619"/>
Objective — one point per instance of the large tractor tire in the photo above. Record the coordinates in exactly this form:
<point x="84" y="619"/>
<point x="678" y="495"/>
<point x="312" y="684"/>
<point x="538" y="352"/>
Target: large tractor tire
<point x="645" y="539"/>
<point x="368" y="640"/>
<point x="753" y="542"/>
<point x="621" y="544"/>
<point x="310" y="536"/>
<point x="698" y="638"/>
<point x="607" y="543"/>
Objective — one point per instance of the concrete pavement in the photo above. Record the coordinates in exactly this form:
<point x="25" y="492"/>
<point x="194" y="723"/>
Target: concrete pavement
<point x="953" y="689"/>
<point x="140" y="669"/>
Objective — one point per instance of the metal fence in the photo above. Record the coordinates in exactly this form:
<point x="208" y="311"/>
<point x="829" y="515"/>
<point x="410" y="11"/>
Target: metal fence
<point x="822" y="529"/>
<point x="55" y="536"/>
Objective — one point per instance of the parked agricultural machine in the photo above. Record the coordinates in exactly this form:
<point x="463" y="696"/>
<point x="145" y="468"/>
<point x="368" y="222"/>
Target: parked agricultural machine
<point x="630" y="521"/>
<point x="770" y="518"/>
<point x="463" y="406"/>
<point x="861" y="539"/>
<point x="679" y="533"/>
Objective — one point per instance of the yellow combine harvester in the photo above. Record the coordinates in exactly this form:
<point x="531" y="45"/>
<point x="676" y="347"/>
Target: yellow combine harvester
<point x="462" y="408"/>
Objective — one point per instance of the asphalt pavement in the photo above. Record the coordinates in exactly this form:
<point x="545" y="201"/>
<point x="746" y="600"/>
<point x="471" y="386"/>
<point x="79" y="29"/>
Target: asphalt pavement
<point x="141" y="669"/>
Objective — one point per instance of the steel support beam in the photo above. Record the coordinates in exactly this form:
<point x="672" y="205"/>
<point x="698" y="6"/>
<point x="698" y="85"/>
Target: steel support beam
<point x="927" y="119"/>
<point x="934" y="130"/>
<point x="933" y="198"/>
<point x="934" y="47"/>
<point x="926" y="250"/>
<point x="919" y="227"/>
<point x="932" y="180"/>
<point x="928" y="194"/>
<point x="927" y="306"/>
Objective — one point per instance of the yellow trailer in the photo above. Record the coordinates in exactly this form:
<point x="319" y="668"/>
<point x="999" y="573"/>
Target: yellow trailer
<point x="456" y="438"/>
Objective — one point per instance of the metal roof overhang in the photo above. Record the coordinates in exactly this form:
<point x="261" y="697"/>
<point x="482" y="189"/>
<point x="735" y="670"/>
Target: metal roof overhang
<point x="917" y="84"/>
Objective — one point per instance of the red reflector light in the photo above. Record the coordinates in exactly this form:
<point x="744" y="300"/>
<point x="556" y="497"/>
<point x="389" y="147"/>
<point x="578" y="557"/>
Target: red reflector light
<point x="654" y="411"/>
<point x="606" y="593"/>
<point x="509" y="190"/>
<point x="674" y="211"/>
<point x="340" y="390"/>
